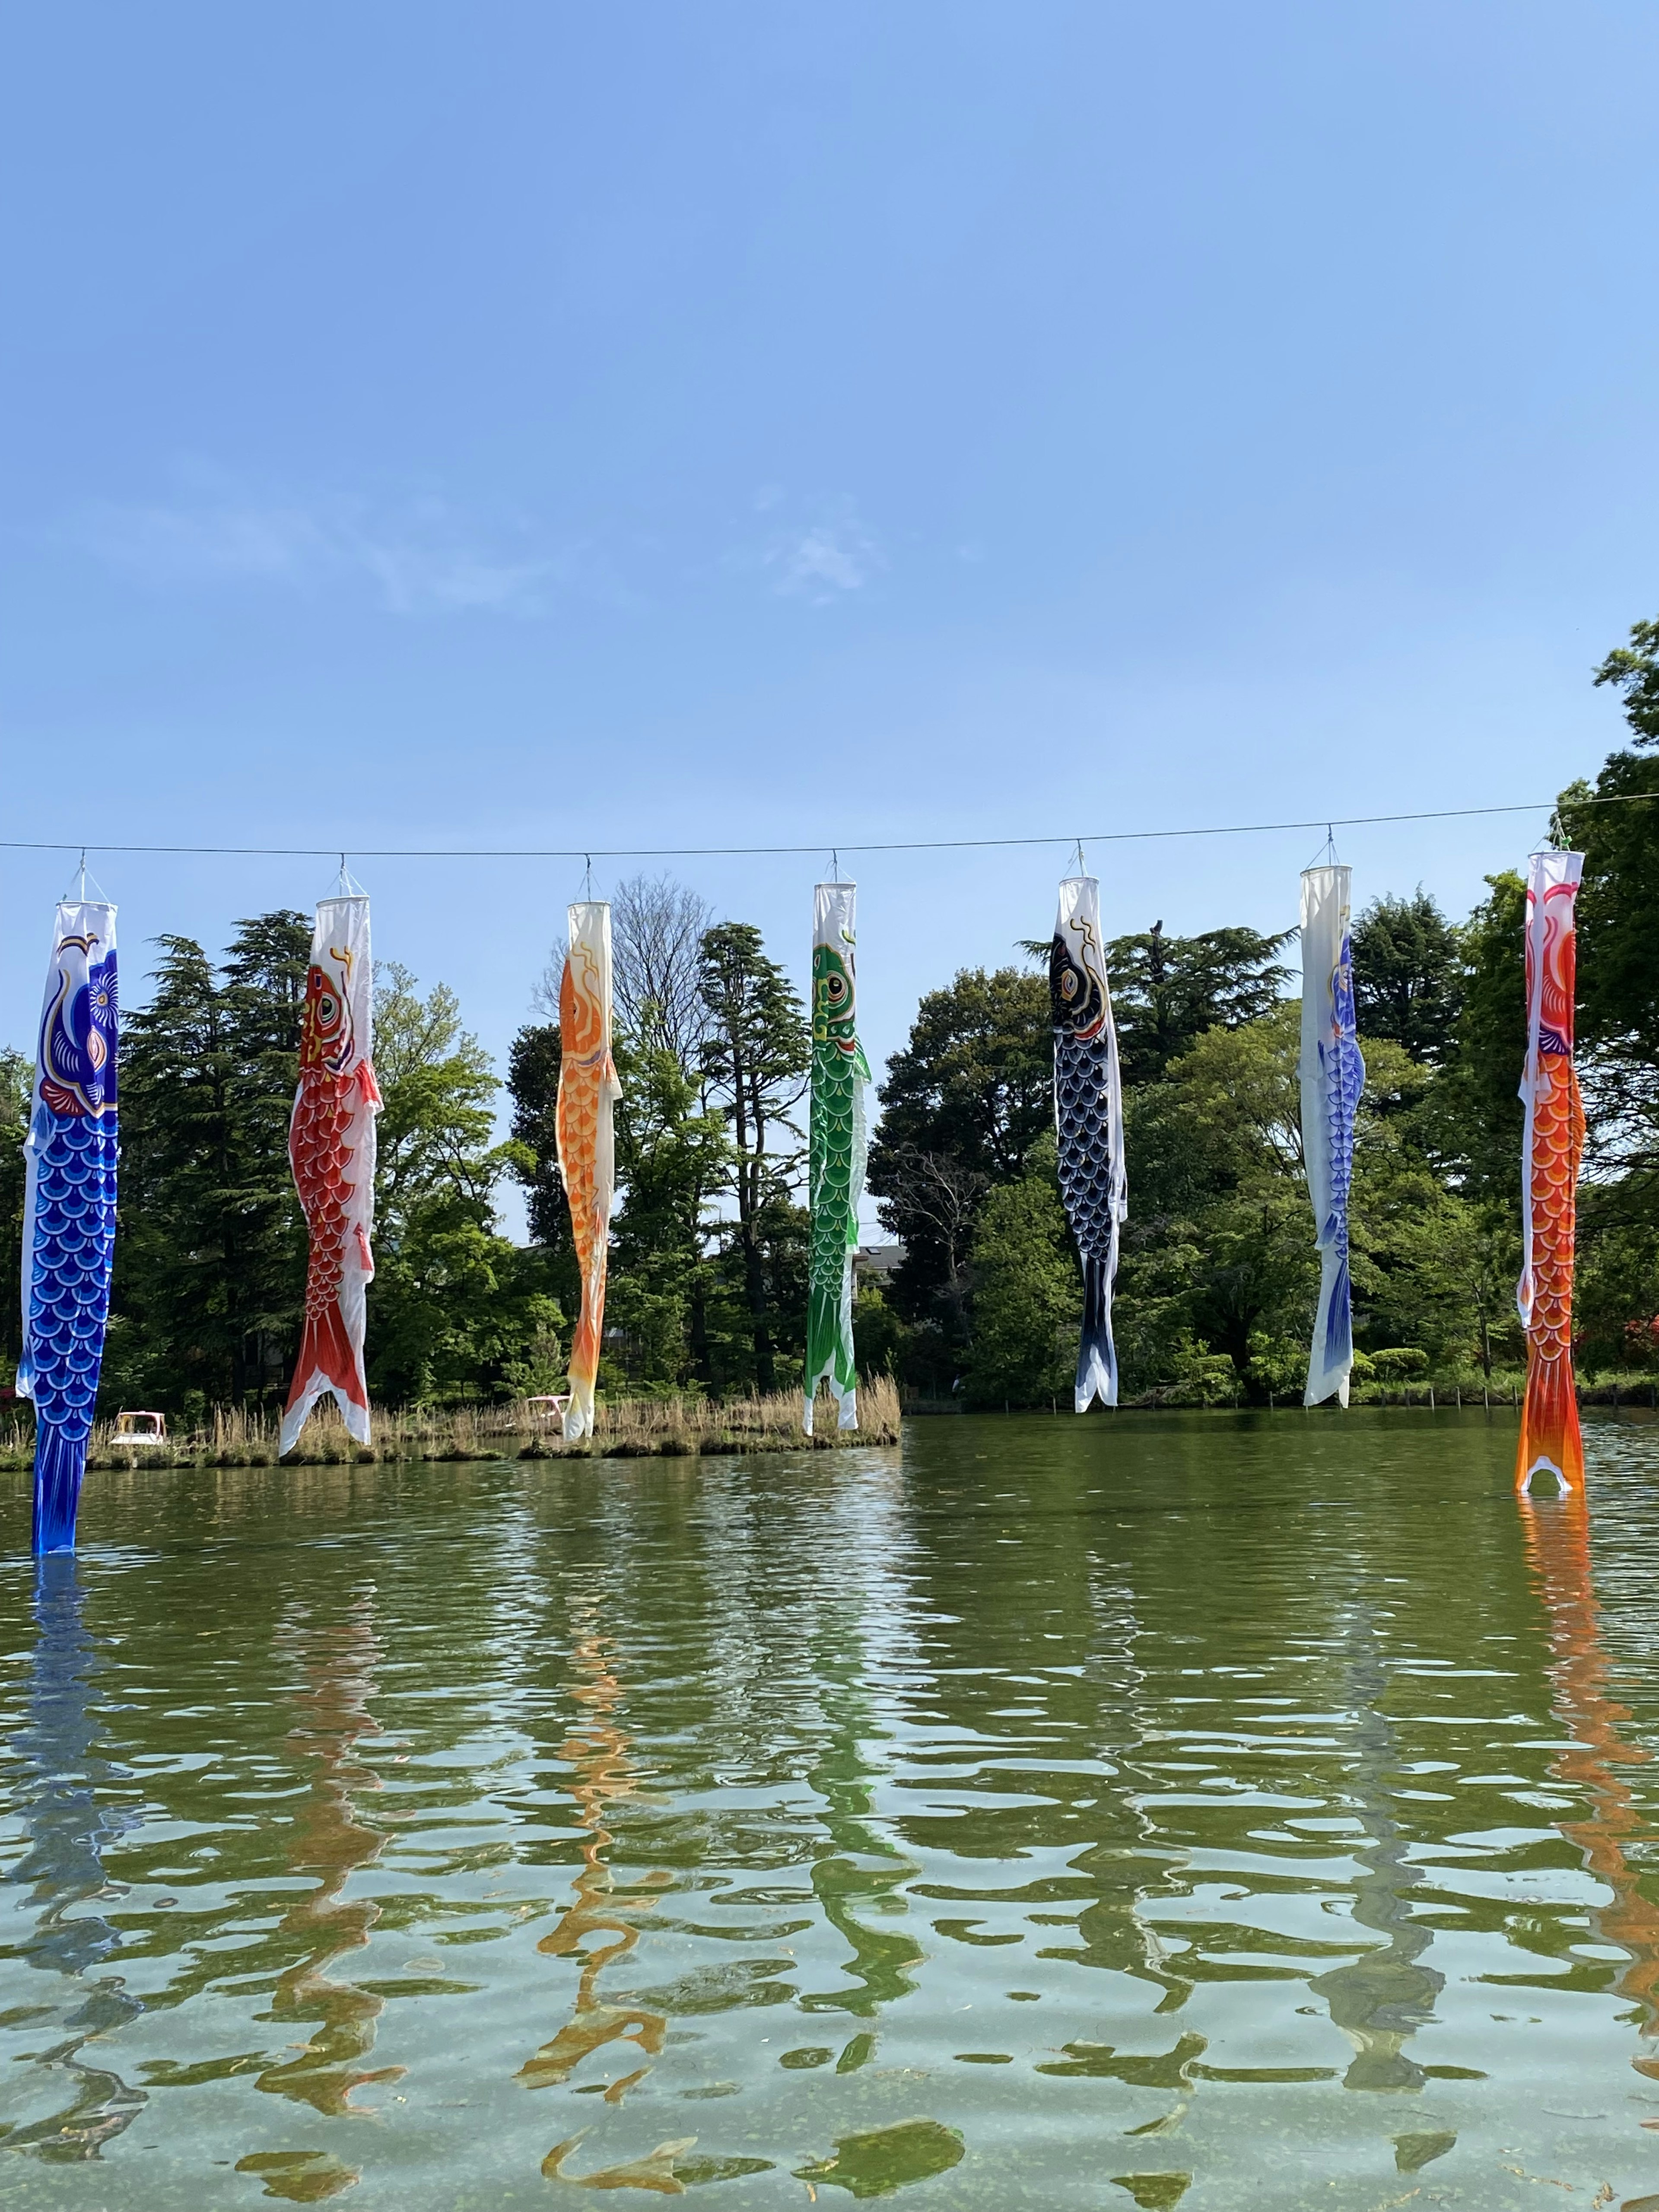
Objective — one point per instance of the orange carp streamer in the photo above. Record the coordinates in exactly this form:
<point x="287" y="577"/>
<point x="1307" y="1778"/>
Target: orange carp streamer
<point x="588" y="1091"/>
<point x="1552" y="1149"/>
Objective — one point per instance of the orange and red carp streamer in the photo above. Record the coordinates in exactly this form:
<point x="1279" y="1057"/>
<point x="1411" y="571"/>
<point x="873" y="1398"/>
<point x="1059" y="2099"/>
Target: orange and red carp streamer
<point x="1552" y="1149"/>
<point x="588" y="1091"/>
<point x="330" y="1146"/>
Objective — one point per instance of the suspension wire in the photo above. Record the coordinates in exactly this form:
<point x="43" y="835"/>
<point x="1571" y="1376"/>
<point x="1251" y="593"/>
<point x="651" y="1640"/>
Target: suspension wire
<point x="590" y="854"/>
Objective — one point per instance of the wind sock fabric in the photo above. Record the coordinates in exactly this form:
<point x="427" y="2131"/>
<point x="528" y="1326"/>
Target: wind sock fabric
<point x="68" y="1211"/>
<point x="837" y="1145"/>
<point x="1553" y="1144"/>
<point x="1094" y="1183"/>
<point x="1333" y="1079"/>
<point x="588" y="1091"/>
<point x="331" y="1147"/>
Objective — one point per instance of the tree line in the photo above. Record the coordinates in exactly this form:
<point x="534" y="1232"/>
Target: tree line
<point x="708" y="1266"/>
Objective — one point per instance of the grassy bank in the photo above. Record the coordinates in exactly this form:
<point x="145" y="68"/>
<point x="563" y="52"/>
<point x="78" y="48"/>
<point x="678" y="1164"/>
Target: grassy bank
<point x="627" y="1428"/>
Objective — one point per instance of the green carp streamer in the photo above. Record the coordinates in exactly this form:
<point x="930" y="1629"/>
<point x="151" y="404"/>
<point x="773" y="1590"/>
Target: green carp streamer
<point x="836" y="1154"/>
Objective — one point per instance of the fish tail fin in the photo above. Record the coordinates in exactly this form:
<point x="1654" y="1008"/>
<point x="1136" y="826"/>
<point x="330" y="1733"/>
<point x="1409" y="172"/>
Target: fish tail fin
<point x="1550" y="1442"/>
<point x="1096" y="1356"/>
<point x="328" y="1361"/>
<point x="1331" y="1357"/>
<point x="829" y="1351"/>
<point x="587" y="1342"/>
<point x="822" y="1336"/>
<point x="60" y="1460"/>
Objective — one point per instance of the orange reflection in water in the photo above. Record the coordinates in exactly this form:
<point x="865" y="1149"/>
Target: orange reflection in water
<point x="1558" y="1549"/>
<point x="329" y="1841"/>
<point x="604" y="1775"/>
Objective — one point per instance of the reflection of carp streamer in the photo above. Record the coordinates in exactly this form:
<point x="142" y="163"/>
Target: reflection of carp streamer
<point x="1558" y="1545"/>
<point x="598" y="1750"/>
<point x="328" y="1840"/>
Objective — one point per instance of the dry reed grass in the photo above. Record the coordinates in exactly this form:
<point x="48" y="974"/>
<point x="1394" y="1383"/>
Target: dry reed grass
<point x="627" y="1428"/>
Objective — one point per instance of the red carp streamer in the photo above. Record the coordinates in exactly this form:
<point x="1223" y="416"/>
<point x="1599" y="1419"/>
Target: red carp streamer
<point x="1552" y="1149"/>
<point x="331" y="1146"/>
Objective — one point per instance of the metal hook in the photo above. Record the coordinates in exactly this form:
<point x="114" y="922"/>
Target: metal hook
<point x="834" y="864"/>
<point x="587" y="879"/>
<point x="1082" y="865"/>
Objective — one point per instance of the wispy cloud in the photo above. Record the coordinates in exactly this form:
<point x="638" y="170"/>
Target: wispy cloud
<point x="826" y="559"/>
<point x="417" y="559"/>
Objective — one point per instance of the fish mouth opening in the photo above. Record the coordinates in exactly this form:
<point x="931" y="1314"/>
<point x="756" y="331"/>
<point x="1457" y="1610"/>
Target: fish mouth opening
<point x="1543" y="1471"/>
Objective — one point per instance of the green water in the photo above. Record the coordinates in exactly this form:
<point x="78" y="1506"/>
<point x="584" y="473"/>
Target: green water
<point x="1217" y="1811"/>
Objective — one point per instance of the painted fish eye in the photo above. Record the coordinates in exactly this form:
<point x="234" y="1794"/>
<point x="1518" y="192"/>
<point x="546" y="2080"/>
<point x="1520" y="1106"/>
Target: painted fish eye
<point x="836" y="987"/>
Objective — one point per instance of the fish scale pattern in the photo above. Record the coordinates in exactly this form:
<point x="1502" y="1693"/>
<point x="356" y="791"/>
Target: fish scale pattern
<point x="835" y="1160"/>
<point x="69" y="1304"/>
<point x="836" y="1175"/>
<point x="1088" y="1181"/>
<point x="1344" y="1069"/>
<point x="321" y="1155"/>
<point x="588" y="1091"/>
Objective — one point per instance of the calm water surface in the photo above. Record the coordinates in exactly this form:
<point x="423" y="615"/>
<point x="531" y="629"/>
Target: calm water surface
<point x="1212" y="1811"/>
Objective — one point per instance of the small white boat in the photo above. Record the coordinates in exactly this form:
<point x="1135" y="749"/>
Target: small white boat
<point x="135" y="1430"/>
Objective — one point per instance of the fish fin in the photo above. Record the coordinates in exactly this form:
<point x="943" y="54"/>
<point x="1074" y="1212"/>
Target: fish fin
<point x="60" y="1460"/>
<point x="1551" y="1441"/>
<point x="1096" y="1357"/>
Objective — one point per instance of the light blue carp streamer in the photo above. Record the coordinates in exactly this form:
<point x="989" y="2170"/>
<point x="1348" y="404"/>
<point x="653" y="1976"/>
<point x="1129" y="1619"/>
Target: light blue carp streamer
<point x="1333" y="1079"/>
<point x="69" y="1217"/>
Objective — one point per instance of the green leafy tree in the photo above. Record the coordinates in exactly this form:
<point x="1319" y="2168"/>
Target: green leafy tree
<point x="1219" y="1224"/>
<point x="672" y="1157"/>
<point x="1028" y="1298"/>
<point x="962" y="1104"/>
<point x="455" y="1311"/>
<point x="1476" y="1111"/>
<point x="534" y="1058"/>
<point x="1633" y="670"/>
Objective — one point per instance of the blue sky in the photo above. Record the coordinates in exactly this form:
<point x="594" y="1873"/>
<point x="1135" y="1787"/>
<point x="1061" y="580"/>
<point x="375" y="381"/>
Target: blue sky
<point x="525" y="424"/>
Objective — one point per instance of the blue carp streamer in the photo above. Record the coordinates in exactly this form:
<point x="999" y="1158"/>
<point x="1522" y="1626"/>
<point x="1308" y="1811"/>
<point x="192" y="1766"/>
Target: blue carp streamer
<point x="69" y="1211"/>
<point x="1333" y="1080"/>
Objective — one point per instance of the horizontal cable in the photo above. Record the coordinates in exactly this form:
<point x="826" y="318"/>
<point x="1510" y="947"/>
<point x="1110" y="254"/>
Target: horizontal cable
<point x="822" y="845"/>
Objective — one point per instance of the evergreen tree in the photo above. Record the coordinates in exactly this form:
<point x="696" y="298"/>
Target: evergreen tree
<point x="16" y="1088"/>
<point x="1408" y="976"/>
<point x="755" y="1057"/>
<point x="209" y="1245"/>
<point x="1168" y="991"/>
